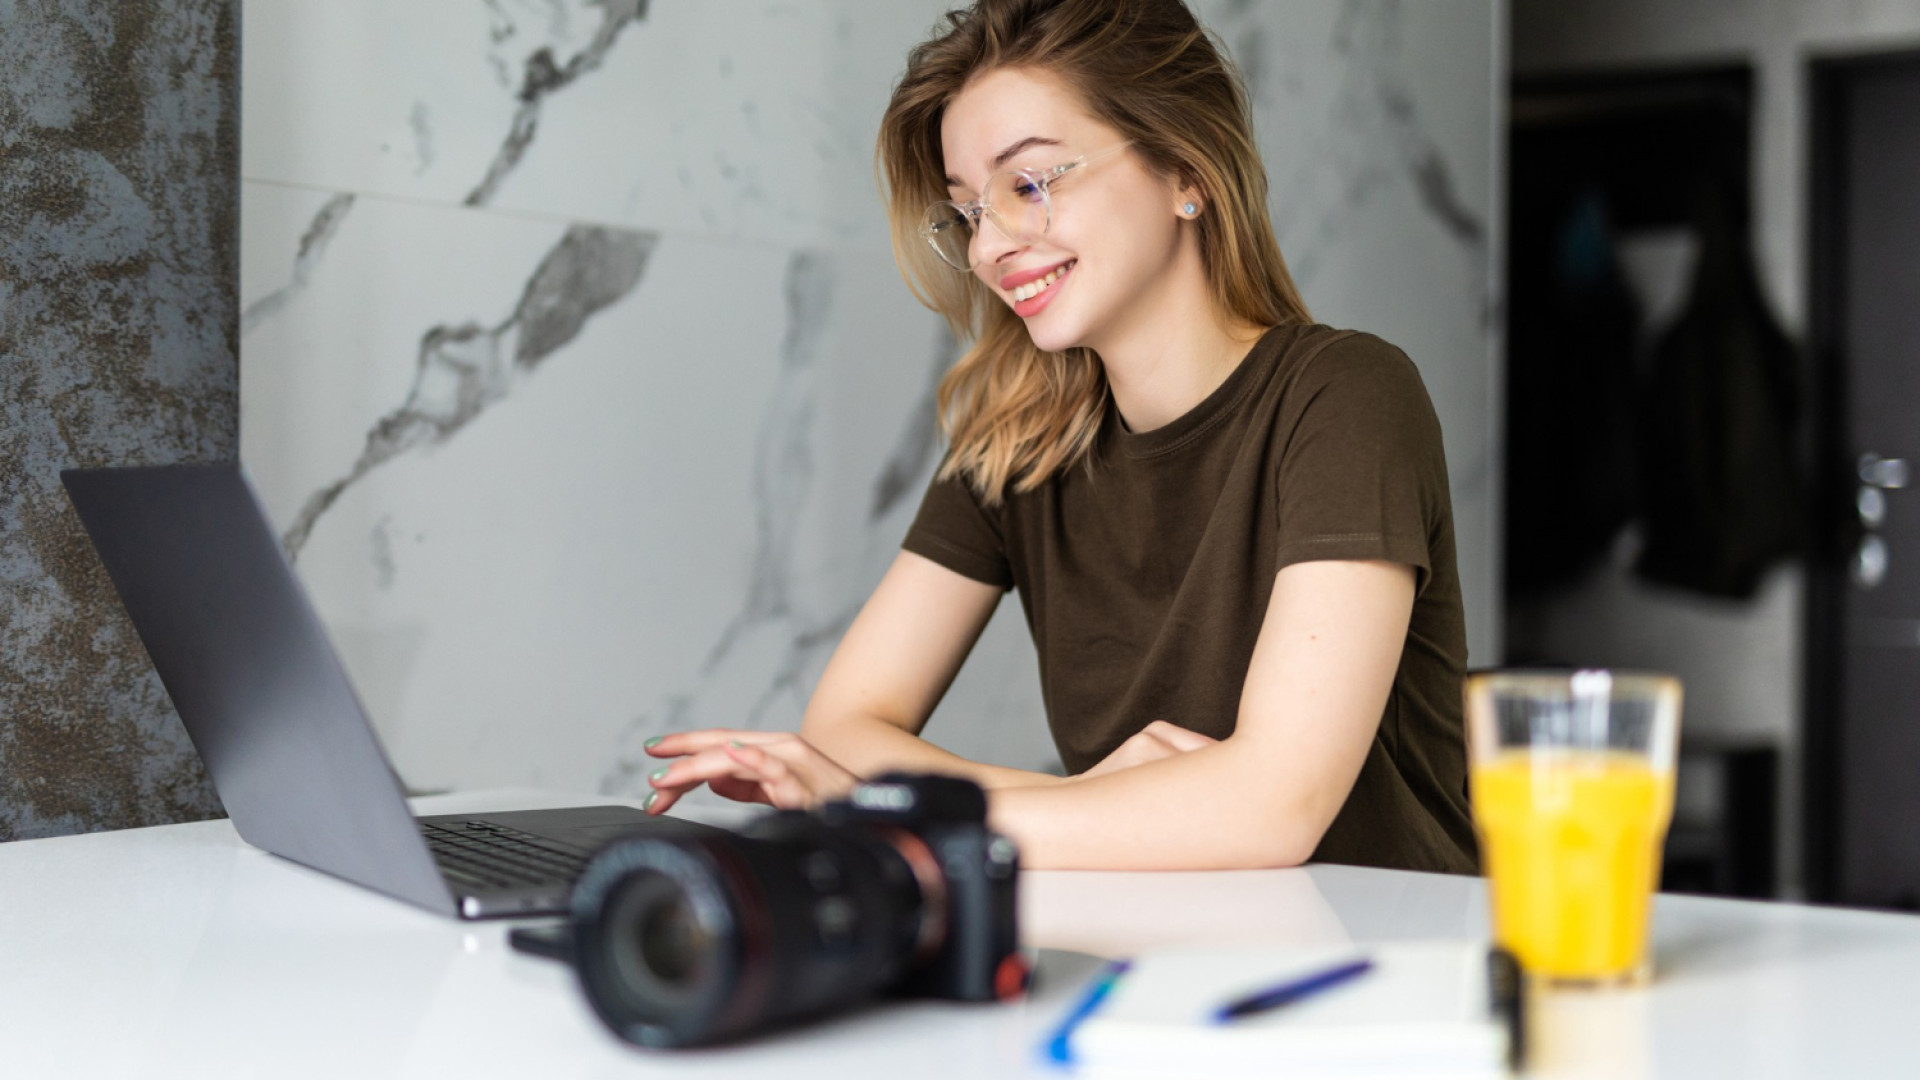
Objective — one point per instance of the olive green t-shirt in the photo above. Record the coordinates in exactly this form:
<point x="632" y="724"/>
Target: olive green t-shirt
<point x="1145" y="572"/>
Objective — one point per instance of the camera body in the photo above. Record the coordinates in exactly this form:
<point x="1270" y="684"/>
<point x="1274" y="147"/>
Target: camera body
<point x="978" y="957"/>
<point x="898" y="889"/>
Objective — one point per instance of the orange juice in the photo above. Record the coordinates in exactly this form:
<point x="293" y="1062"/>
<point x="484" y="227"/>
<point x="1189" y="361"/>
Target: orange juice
<point x="1570" y="840"/>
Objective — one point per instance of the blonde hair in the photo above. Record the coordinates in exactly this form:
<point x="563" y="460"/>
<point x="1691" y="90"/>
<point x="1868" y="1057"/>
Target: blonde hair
<point x="1017" y="415"/>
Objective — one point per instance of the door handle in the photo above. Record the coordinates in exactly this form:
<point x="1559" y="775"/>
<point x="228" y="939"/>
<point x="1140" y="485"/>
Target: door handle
<point x="1886" y="474"/>
<point x="1872" y="505"/>
<point x="1878" y="475"/>
<point x="1870" y="562"/>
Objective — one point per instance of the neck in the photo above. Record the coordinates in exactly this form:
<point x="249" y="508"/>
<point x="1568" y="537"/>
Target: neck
<point x="1175" y="350"/>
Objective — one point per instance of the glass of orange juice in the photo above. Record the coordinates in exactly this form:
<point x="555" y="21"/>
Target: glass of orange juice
<point x="1572" y="790"/>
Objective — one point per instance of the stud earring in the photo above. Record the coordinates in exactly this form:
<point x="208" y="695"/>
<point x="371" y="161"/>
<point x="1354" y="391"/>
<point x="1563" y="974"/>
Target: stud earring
<point x="1190" y="209"/>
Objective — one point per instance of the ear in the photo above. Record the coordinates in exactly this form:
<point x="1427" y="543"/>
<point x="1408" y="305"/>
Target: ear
<point x="1189" y="201"/>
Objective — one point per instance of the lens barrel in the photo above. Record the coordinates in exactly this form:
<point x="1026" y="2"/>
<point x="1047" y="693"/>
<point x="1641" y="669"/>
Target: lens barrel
<point x="687" y="941"/>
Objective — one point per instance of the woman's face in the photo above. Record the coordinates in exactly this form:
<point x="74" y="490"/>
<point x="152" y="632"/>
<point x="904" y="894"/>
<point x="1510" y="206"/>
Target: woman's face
<point x="1115" y="236"/>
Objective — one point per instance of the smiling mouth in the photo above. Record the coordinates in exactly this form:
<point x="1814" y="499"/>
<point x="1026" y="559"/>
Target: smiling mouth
<point x="1034" y="288"/>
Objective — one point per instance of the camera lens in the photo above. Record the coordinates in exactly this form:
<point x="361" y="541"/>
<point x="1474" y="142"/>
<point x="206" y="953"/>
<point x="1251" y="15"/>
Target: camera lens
<point x="688" y="940"/>
<point x="670" y="941"/>
<point x="659" y="946"/>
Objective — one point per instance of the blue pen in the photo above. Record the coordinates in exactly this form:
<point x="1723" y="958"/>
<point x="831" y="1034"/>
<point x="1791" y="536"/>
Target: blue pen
<point x="1289" y="992"/>
<point x="1058" y="1049"/>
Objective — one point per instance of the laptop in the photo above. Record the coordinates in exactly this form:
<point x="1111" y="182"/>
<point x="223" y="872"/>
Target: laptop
<point x="269" y="708"/>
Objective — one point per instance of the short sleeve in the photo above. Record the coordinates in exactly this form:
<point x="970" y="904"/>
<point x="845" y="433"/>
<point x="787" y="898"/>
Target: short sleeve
<point x="954" y="530"/>
<point x="1360" y="471"/>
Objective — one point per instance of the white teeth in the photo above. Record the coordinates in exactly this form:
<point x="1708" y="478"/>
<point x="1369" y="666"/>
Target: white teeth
<point x="1034" y="288"/>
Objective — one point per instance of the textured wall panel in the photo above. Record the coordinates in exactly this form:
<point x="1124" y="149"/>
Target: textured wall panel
<point x="118" y="264"/>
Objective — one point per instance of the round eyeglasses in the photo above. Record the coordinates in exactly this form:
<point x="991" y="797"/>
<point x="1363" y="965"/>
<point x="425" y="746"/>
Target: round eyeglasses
<point x="1019" y="203"/>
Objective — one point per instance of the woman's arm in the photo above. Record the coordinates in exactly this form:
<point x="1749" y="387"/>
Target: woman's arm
<point x="894" y="665"/>
<point x="1315" y="690"/>
<point x="889" y="671"/>
<point x="1167" y="800"/>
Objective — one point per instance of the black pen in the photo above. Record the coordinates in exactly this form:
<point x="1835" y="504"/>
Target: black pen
<point x="1289" y="992"/>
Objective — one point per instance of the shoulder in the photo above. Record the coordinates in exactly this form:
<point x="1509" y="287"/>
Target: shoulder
<point x="1322" y="369"/>
<point x="955" y="529"/>
<point x="1323" y="355"/>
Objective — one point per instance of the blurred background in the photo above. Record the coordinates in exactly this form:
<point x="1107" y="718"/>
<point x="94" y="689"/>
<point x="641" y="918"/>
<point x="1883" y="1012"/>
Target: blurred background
<point x="564" y="342"/>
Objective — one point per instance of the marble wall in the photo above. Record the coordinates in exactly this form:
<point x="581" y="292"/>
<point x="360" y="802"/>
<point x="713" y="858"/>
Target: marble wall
<point x="118" y="183"/>
<point x="577" y="372"/>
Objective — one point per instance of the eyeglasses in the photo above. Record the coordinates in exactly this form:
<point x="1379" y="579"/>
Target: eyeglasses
<point x="1018" y="202"/>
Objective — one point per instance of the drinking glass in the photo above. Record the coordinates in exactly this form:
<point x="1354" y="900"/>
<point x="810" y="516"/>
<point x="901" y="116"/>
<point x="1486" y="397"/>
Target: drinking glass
<point x="1572" y="789"/>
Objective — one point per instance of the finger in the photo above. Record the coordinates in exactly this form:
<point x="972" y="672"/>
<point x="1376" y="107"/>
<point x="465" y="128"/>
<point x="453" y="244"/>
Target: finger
<point x="815" y="769"/>
<point x="659" y="802"/>
<point x="1152" y="739"/>
<point x="1153" y="748"/>
<point x="825" y="777"/>
<point x="785" y="788"/>
<point x="663" y="796"/>
<point x="682" y="743"/>
<point x="695" y="769"/>
<point x="1177" y="737"/>
<point x="672" y="781"/>
<point x="739" y="789"/>
<point x="1144" y="746"/>
<point x="1131" y="752"/>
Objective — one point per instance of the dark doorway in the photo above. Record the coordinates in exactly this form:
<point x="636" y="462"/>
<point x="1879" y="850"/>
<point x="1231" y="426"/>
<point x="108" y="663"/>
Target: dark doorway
<point x="1654" y="455"/>
<point x="1863" y="632"/>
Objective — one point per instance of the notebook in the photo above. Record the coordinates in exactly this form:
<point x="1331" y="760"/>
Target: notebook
<point x="1424" y="1009"/>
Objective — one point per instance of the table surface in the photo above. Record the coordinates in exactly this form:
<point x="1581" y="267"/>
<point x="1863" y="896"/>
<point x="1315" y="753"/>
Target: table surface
<point x="181" y="951"/>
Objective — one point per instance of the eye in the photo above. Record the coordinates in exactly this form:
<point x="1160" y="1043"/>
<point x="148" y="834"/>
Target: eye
<point x="1026" y="188"/>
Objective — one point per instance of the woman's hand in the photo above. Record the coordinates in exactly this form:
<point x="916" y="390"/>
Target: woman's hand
<point x="777" y="768"/>
<point x="1152" y="743"/>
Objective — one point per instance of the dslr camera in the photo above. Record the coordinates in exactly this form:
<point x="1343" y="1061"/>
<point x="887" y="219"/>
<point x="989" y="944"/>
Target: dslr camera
<point x="899" y="889"/>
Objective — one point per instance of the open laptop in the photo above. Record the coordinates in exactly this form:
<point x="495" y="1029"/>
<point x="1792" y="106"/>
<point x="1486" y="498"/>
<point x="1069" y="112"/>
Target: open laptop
<point x="283" y="735"/>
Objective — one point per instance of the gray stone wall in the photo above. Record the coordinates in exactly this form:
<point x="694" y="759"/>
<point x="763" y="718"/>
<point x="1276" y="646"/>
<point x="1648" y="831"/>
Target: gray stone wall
<point x="118" y="260"/>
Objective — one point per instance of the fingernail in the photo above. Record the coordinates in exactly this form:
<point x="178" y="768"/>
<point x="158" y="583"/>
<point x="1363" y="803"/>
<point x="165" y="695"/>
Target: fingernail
<point x="653" y="742"/>
<point x="652" y="797"/>
<point x="736" y="744"/>
<point x="660" y="773"/>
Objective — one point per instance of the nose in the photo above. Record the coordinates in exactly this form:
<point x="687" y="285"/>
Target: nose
<point x="990" y="244"/>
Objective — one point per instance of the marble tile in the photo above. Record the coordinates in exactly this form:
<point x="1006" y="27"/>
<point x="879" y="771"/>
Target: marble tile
<point x="682" y="529"/>
<point x="1376" y="121"/>
<point x="744" y="119"/>
<point x="518" y="549"/>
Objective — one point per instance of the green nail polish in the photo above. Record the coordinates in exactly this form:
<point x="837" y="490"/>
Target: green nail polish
<point x="660" y="773"/>
<point x="736" y="744"/>
<point x="653" y="742"/>
<point x="652" y="797"/>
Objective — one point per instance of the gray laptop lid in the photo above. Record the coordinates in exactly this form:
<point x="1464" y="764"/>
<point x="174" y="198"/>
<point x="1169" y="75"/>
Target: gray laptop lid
<point x="251" y="673"/>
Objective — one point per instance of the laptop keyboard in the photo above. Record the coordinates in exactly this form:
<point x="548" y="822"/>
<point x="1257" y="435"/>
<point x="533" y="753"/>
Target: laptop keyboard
<point x="484" y="855"/>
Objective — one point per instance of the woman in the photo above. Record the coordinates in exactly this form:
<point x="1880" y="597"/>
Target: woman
<point x="1229" y="527"/>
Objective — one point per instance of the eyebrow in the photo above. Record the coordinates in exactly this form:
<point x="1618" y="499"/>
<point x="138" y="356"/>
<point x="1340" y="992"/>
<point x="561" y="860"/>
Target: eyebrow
<point x="1004" y="156"/>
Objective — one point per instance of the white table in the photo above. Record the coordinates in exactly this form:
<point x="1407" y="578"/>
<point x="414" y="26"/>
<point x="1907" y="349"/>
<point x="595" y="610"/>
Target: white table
<point x="180" y="951"/>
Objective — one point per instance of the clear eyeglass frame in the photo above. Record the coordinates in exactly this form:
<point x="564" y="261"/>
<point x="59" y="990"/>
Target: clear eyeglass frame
<point x="941" y="217"/>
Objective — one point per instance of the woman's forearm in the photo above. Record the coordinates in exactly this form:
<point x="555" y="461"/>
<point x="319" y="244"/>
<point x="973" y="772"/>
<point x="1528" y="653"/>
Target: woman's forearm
<point x="1212" y="809"/>
<point x="868" y="746"/>
<point x="1315" y="692"/>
